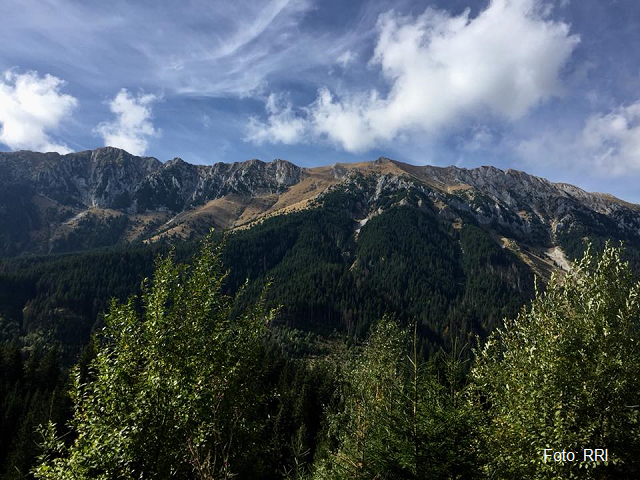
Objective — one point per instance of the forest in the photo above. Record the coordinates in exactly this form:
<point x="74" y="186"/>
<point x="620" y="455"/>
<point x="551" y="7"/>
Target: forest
<point x="300" y="349"/>
<point x="185" y="381"/>
<point x="322" y="277"/>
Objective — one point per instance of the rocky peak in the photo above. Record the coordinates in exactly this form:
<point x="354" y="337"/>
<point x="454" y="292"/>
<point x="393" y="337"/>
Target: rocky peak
<point x="285" y="173"/>
<point x="179" y="185"/>
<point x="116" y="157"/>
<point x="176" y="161"/>
<point x="519" y="204"/>
<point x="382" y="161"/>
<point x="255" y="177"/>
<point x="178" y="168"/>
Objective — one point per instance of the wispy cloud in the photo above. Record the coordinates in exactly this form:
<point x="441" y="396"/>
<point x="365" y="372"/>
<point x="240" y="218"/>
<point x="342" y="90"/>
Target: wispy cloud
<point x="347" y="57"/>
<point x="132" y="126"/>
<point x="31" y="108"/>
<point x="442" y="69"/>
<point x="200" y="47"/>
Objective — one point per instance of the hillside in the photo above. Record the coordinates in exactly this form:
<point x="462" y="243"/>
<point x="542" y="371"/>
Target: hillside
<point x="348" y="252"/>
<point x="454" y="249"/>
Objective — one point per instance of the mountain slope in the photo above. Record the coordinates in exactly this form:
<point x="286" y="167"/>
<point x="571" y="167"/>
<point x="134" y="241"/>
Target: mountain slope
<point x="51" y="203"/>
<point x="453" y="249"/>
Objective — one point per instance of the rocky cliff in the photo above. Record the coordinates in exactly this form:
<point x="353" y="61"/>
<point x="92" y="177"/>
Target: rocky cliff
<point x="51" y="202"/>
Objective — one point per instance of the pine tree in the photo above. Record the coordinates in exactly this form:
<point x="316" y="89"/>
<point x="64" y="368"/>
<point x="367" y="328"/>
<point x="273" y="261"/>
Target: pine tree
<point x="396" y="419"/>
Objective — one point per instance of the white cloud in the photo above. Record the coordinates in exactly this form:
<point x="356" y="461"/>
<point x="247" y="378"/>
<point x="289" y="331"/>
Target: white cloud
<point x="132" y="127"/>
<point x="345" y="58"/>
<point x="441" y="70"/>
<point x="607" y="144"/>
<point x="225" y="47"/>
<point x="479" y="139"/>
<point x="282" y="125"/>
<point x="612" y="140"/>
<point x="31" y="107"/>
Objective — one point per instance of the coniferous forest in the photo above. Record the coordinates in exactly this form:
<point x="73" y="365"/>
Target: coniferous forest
<point x="199" y="374"/>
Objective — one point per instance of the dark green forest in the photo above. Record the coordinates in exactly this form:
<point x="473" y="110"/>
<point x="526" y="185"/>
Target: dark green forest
<point x="324" y="279"/>
<point x="182" y="384"/>
<point x="310" y="346"/>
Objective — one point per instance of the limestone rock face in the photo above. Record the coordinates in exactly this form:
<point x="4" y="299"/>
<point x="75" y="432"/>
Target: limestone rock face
<point x="46" y="196"/>
<point x="179" y="185"/>
<point x="95" y="178"/>
<point x="112" y="178"/>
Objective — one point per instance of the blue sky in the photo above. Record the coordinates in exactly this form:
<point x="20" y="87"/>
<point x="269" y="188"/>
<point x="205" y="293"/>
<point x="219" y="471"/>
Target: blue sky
<point x="549" y="87"/>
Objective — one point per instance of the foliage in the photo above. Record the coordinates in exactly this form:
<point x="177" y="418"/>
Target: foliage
<point x="186" y="381"/>
<point x="18" y="217"/>
<point x="172" y="389"/>
<point x="395" y="418"/>
<point x="92" y="232"/>
<point x="32" y="391"/>
<point x="565" y="374"/>
<point x="455" y="283"/>
<point x="64" y="296"/>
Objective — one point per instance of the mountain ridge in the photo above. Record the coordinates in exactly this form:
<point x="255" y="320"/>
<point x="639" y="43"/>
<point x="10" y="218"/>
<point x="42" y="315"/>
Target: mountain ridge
<point x="343" y="243"/>
<point x="128" y="198"/>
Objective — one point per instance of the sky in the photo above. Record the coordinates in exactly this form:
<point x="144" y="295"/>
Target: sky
<point x="548" y="87"/>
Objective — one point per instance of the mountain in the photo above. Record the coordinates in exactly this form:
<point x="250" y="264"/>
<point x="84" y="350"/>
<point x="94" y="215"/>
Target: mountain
<point x="54" y="203"/>
<point x="453" y="249"/>
<point x="51" y="203"/>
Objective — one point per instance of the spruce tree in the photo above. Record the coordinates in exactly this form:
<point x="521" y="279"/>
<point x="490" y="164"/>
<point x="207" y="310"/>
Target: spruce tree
<point x="396" y="418"/>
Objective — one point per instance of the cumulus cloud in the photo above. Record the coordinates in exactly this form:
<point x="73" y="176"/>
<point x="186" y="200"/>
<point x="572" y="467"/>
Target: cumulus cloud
<point x="612" y="140"/>
<point x="606" y="144"/>
<point x="31" y="107"/>
<point x="441" y="69"/>
<point x="282" y="125"/>
<point x="132" y="126"/>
